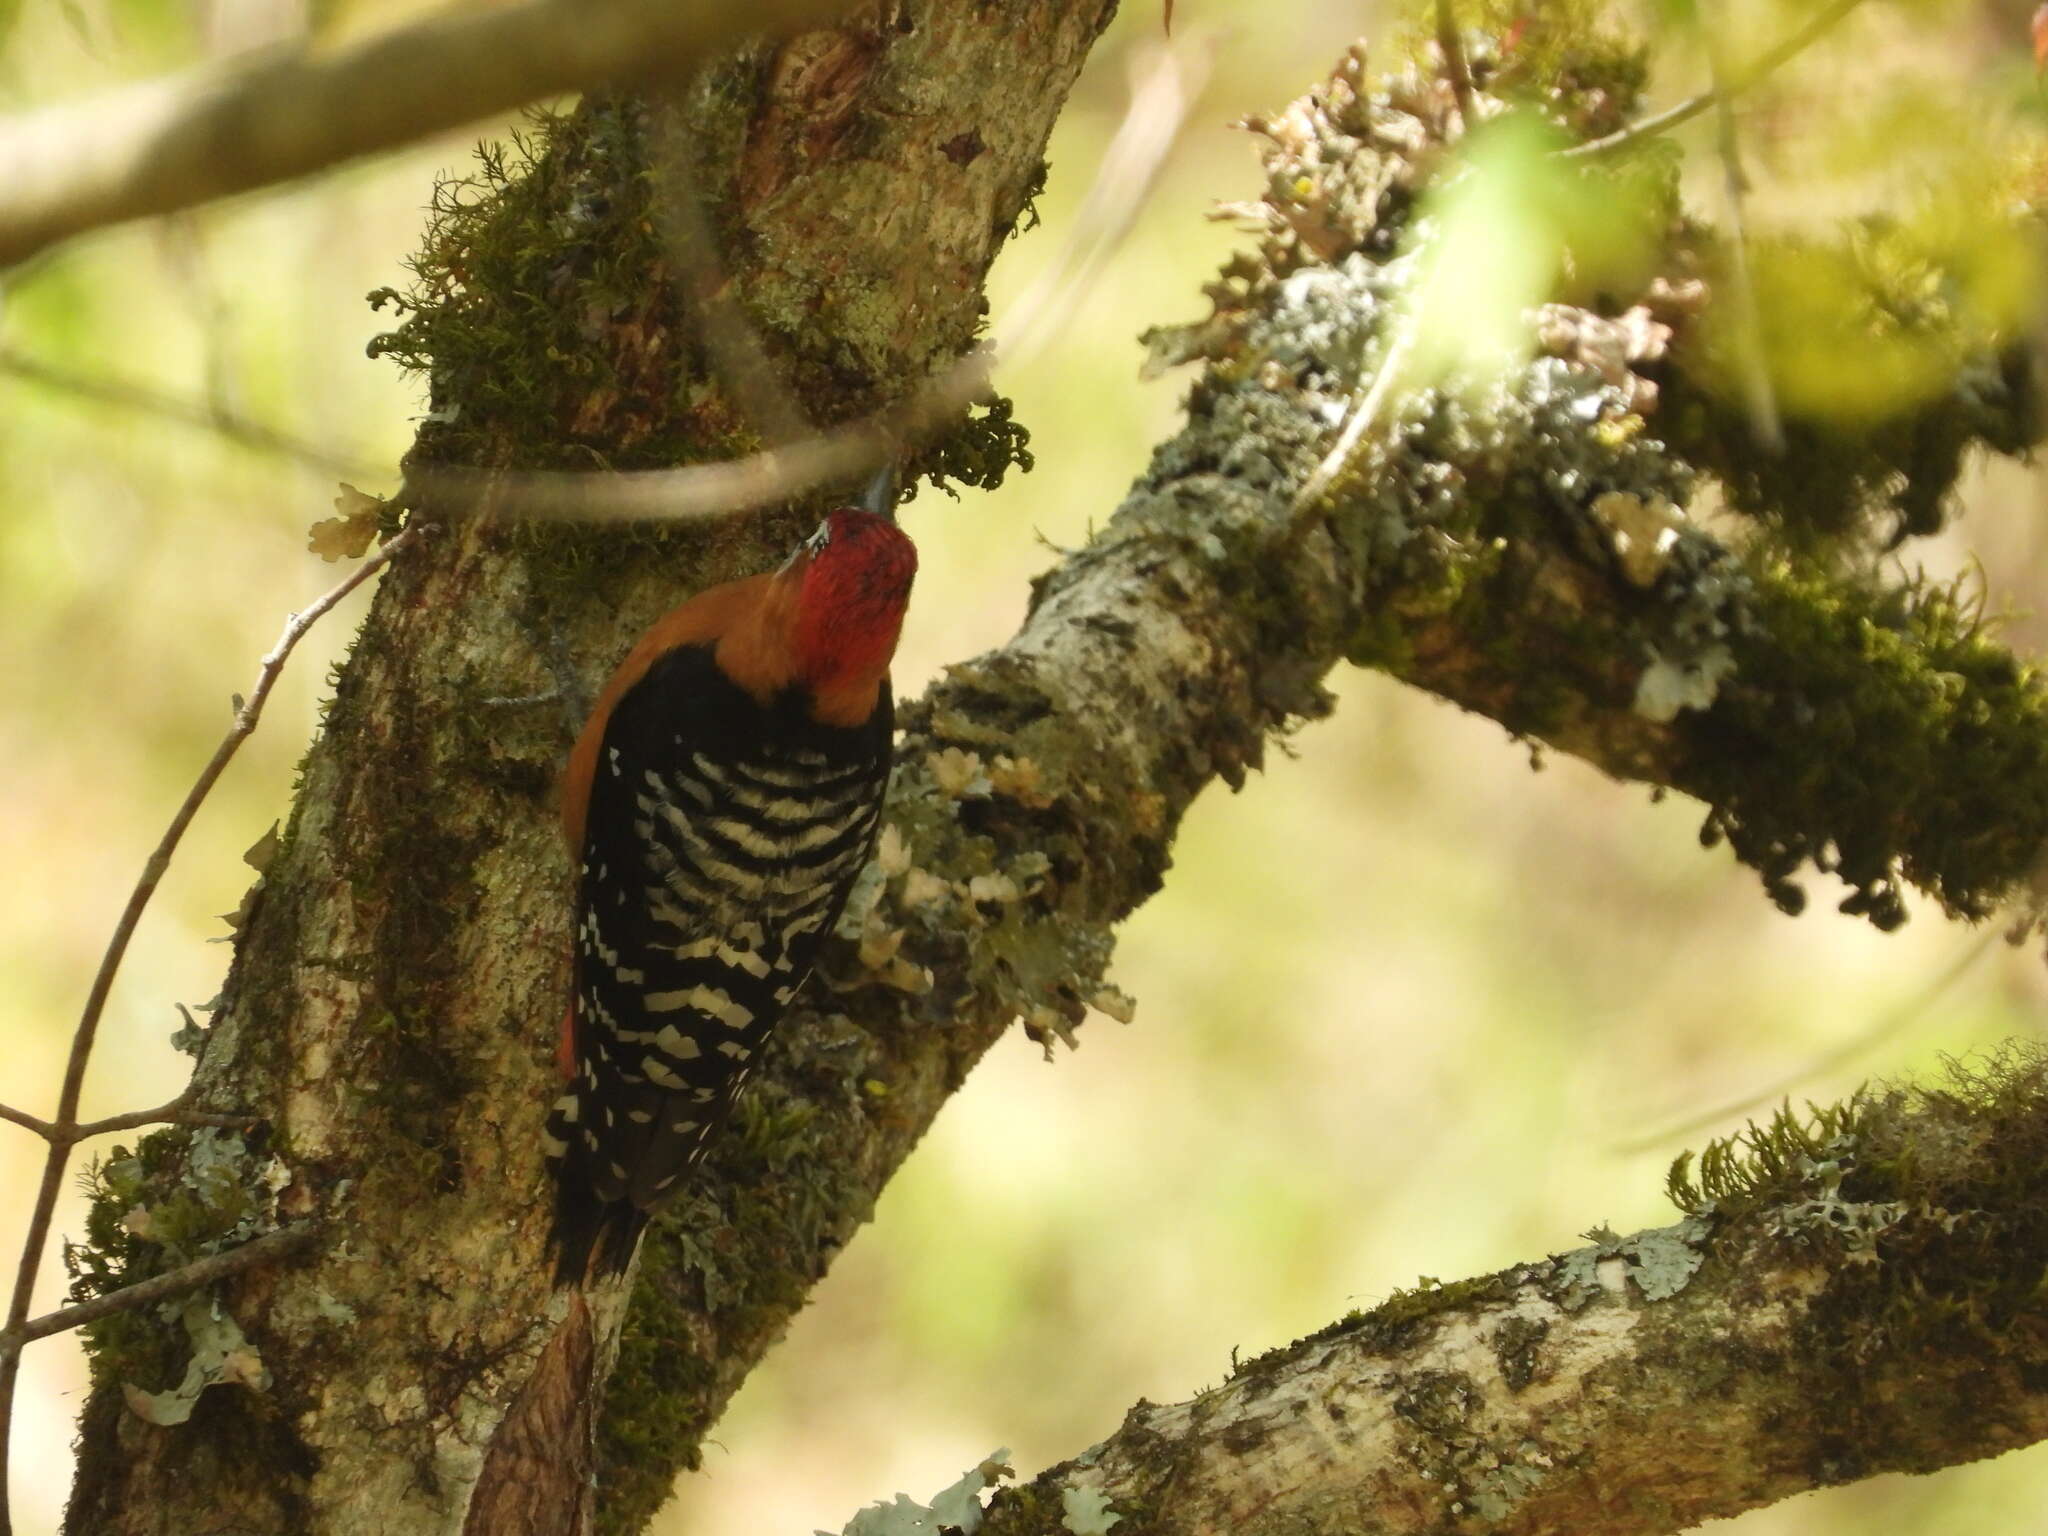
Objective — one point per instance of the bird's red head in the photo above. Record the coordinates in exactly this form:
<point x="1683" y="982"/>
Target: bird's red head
<point x="854" y="578"/>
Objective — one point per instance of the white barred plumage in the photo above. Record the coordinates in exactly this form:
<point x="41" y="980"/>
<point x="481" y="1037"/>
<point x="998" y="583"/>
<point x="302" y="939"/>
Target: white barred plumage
<point x="721" y="802"/>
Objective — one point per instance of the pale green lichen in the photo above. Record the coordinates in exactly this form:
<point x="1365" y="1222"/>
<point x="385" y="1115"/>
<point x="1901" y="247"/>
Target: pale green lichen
<point x="1668" y="685"/>
<point x="1085" y="1510"/>
<point x="219" y="1353"/>
<point x="956" y="1507"/>
<point x="179" y="1196"/>
<point x="1659" y="1263"/>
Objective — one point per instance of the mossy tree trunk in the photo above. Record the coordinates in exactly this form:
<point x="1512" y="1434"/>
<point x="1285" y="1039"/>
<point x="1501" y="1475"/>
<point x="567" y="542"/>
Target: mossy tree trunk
<point x="399" y="981"/>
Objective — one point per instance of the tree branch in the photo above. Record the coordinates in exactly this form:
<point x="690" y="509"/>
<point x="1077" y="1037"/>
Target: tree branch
<point x="1856" y="1279"/>
<point x="176" y="1112"/>
<point x="1163" y="91"/>
<point x="390" y="1000"/>
<point x="391" y="1006"/>
<point x="1522" y="555"/>
<point x="172" y="143"/>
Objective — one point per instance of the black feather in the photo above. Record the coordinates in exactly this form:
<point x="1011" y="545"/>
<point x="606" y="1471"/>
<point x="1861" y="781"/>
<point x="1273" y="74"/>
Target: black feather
<point x="719" y="826"/>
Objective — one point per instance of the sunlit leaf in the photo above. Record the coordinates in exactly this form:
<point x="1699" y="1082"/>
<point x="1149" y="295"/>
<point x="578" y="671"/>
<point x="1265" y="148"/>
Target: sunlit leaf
<point x="1489" y="256"/>
<point x="1510" y="230"/>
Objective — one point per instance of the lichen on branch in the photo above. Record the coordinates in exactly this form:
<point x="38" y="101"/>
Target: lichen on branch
<point x="1851" y="1291"/>
<point x="1522" y="527"/>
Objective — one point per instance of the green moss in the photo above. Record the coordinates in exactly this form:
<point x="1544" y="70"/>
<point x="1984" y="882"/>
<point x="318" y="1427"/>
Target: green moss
<point x="1394" y="1321"/>
<point x="543" y="316"/>
<point x="535" y="273"/>
<point x="1932" y="1203"/>
<point x="1517" y="1346"/>
<point x="1833" y="723"/>
<point x="775" y="1130"/>
<point x="1879" y="734"/>
<point x="1765" y="1164"/>
<point x="1036" y="1507"/>
<point x="1569" y="59"/>
<point x="983" y="449"/>
<point x="655" y="1416"/>
<point x="180" y="1195"/>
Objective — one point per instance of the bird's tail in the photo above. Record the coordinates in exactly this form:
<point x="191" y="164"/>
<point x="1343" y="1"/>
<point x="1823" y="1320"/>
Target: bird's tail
<point x="592" y="1239"/>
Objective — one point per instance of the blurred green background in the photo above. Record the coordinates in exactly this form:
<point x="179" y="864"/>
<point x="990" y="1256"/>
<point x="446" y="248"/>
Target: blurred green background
<point x="1401" y="1004"/>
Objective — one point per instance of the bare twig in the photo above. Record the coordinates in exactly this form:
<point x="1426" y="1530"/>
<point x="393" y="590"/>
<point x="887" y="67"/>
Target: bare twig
<point x="1725" y="89"/>
<point x="1759" y="398"/>
<point x="1450" y="42"/>
<point x="188" y="1277"/>
<point x="738" y="355"/>
<point x="138" y="397"/>
<point x="1363" y="418"/>
<point x="173" y="1113"/>
<point x="1161" y="97"/>
<point x="64" y="1130"/>
<point x="177" y="1112"/>
<point x="1886" y="1025"/>
<point x="171" y="143"/>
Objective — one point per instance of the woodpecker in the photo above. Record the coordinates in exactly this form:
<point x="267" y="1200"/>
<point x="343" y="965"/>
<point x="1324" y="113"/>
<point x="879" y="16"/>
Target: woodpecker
<point x="719" y="804"/>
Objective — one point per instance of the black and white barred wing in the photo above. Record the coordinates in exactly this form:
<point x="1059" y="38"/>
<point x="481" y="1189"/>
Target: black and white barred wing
<point x="707" y="888"/>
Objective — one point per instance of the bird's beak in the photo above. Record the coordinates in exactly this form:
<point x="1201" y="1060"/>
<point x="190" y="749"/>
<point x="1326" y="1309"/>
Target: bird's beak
<point x="880" y="495"/>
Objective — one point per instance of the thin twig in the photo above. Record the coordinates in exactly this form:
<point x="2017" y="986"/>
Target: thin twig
<point x="173" y="1113"/>
<point x="1887" y="1024"/>
<point x="177" y="1112"/>
<point x="63" y="1129"/>
<point x="1758" y="396"/>
<point x="1161" y="98"/>
<point x="1725" y="90"/>
<point x="1450" y="42"/>
<point x="738" y="356"/>
<point x="137" y="397"/>
<point x="188" y="1277"/>
<point x="1364" y="417"/>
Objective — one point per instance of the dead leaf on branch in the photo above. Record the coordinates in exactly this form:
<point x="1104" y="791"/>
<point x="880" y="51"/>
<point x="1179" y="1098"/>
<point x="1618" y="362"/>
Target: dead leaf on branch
<point x="347" y="535"/>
